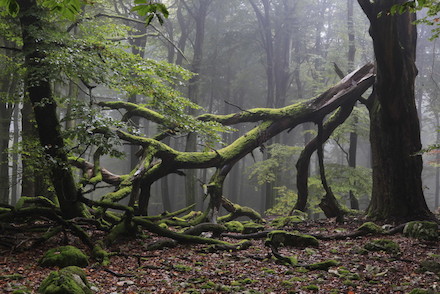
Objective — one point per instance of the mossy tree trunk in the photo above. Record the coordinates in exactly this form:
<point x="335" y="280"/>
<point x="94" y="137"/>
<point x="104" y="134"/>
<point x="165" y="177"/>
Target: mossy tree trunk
<point x="394" y="125"/>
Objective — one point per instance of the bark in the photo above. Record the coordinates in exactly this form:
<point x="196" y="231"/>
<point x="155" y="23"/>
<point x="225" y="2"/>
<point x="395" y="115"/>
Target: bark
<point x="352" y="151"/>
<point x="394" y="126"/>
<point x="199" y="16"/>
<point x="5" y="121"/>
<point x="37" y="86"/>
<point x="14" y="181"/>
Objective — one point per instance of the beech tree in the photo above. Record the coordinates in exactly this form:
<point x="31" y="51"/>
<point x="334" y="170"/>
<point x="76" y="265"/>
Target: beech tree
<point x="394" y="125"/>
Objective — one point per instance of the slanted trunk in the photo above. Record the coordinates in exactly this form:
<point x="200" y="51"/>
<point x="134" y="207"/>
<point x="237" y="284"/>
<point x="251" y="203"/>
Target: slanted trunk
<point x="394" y="125"/>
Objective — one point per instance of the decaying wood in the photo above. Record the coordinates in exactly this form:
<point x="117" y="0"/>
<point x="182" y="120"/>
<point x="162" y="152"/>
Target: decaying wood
<point x="272" y="122"/>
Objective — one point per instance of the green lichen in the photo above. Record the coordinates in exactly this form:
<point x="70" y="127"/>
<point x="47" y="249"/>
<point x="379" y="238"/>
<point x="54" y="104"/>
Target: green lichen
<point x="422" y="230"/>
<point x="69" y="280"/>
<point x="388" y="246"/>
<point x="64" y="256"/>
<point x="370" y="228"/>
<point x="293" y="239"/>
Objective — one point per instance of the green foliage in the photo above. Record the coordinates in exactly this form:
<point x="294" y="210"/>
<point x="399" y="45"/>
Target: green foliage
<point x="281" y="160"/>
<point x="9" y="7"/>
<point x="342" y="179"/>
<point x="68" y="9"/>
<point x="431" y="7"/>
<point x="284" y="201"/>
<point x="149" y="10"/>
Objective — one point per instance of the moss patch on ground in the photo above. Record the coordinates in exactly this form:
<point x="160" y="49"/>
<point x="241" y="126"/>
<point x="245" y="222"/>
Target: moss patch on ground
<point x="64" y="256"/>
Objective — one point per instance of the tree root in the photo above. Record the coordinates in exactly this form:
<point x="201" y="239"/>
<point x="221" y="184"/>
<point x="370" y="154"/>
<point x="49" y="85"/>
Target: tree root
<point x="185" y="238"/>
<point x="236" y="211"/>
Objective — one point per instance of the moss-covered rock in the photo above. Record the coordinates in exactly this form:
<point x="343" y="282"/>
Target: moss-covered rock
<point x="251" y="227"/>
<point x="422" y="230"/>
<point x="293" y="239"/>
<point x="388" y="246"/>
<point x="234" y="226"/>
<point x="284" y="221"/>
<point x="370" y="228"/>
<point x="324" y="265"/>
<point x="64" y="256"/>
<point x="69" y="280"/>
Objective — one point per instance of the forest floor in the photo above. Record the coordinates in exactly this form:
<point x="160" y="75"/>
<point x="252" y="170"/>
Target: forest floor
<point x="190" y="268"/>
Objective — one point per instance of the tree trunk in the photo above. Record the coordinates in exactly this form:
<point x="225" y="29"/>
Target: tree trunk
<point x="14" y="176"/>
<point x="352" y="151"/>
<point x="199" y="15"/>
<point x="394" y="125"/>
<point x="37" y="87"/>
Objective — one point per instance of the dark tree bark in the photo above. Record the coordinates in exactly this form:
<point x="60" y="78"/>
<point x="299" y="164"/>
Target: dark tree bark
<point x="394" y="124"/>
<point x="303" y="163"/>
<point x="37" y="87"/>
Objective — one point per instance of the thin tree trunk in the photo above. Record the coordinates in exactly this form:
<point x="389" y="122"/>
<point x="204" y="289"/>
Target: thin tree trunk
<point x="352" y="151"/>
<point x="199" y="15"/>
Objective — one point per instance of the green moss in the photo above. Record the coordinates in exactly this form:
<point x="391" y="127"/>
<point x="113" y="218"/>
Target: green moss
<point x="422" y="230"/>
<point x="245" y="281"/>
<point x="182" y="268"/>
<point x="100" y="254"/>
<point x="293" y="239"/>
<point x="251" y="227"/>
<point x="123" y="229"/>
<point x="310" y="288"/>
<point x="12" y="277"/>
<point x="69" y="280"/>
<point x="301" y="270"/>
<point x="208" y="285"/>
<point x="116" y="196"/>
<point x="281" y="222"/>
<point x="64" y="256"/>
<point x="234" y="226"/>
<point x="419" y="291"/>
<point x="370" y="228"/>
<point x="431" y="265"/>
<point x="349" y="283"/>
<point x="383" y="245"/>
<point x="268" y="271"/>
<point x="324" y="265"/>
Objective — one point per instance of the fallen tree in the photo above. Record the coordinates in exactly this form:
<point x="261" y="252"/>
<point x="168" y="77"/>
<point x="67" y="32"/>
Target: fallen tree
<point x="158" y="159"/>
